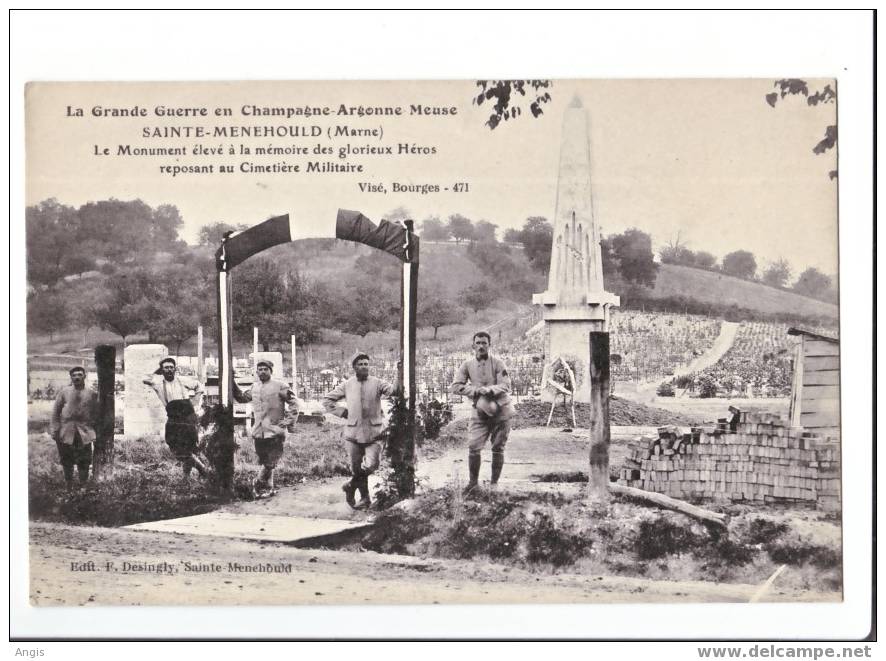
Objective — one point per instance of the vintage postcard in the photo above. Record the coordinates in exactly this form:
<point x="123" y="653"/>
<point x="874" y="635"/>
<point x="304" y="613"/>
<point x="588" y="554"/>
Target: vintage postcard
<point x="433" y="342"/>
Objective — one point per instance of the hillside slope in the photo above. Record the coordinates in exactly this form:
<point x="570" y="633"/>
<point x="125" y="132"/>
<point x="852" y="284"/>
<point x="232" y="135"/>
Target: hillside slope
<point x="710" y="287"/>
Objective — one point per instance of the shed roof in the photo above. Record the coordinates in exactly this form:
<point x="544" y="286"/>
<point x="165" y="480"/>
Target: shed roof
<point x="817" y="336"/>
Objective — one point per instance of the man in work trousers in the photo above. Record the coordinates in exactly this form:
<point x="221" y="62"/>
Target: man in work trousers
<point x="489" y="389"/>
<point x="362" y="395"/>
<point x="180" y="395"/>
<point x="73" y="426"/>
<point x="269" y="398"/>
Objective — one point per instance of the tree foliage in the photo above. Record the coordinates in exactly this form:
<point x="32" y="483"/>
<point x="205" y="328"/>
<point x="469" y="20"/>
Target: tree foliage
<point x="54" y="243"/>
<point x="777" y="273"/>
<point x="485" y="231"/>
<point x="479" y="295"/>
<point x="433" y="229"/>
<point x="797" y="87"/>
<point x="212" y="234"/>
<point x="537" y="237"/>
<point x="460" y="228"/>
<point x="48" y="313"/>
<point x="503" y="96"/>
<point x="741" y="264"/>
<point x="436" y="309"/>
<point x="814" y="283"/>
<point x="636" y="262"/>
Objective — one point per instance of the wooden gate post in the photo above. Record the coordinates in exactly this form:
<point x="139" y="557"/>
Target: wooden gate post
<point x="598" y="474"/>
<point x="105" y="359"/>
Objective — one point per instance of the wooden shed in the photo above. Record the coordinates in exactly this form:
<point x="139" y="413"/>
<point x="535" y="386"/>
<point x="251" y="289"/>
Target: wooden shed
<point x="815" y="393"/>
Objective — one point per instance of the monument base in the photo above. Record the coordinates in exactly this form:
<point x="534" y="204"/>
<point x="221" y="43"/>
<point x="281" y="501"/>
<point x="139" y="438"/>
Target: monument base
<point x="144" y="416"/>
<point x="568" y="340"/>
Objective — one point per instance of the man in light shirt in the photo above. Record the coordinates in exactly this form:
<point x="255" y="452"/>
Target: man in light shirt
<point x="270" y="399"/>
<point x="73" y="426"/>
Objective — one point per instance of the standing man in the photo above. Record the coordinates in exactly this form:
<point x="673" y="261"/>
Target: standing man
<point x="181" y="396"/>
<point x="362" y="398"/>
<point x="73" y="426"/>
<point x="490" y="388"/>
<point x="270" y="419"/>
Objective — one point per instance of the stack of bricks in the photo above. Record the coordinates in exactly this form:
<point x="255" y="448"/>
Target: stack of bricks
<point x="755" y="458"/>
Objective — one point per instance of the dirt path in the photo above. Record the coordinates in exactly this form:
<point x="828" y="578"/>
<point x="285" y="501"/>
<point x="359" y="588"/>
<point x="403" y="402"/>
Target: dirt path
<point x="645" y="392"/>
<point x="316" y="577"/>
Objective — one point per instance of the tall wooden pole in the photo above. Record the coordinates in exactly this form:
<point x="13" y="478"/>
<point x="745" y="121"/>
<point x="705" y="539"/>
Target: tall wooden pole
<point x="403" y="458"/>
<point x="105" y="359"/>
<point x="598" y="475"/>
<point x="201" y="371"/>
<point x="292" y="343"/>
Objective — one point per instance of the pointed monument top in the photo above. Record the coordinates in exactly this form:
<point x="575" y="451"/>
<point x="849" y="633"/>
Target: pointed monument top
<point x="576" y="102"/>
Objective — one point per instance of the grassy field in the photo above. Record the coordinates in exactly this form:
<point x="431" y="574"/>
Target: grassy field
<point x="145" y="482"/>
<point x="710" y="287"/>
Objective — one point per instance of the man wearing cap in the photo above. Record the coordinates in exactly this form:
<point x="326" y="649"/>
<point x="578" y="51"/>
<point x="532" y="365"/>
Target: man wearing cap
<point x="362" y="395"/>
<point x="269" y="399"/>
<point x="180" y="395"/>
<point x="489" y="391"/>
<point x="73" y="426"/>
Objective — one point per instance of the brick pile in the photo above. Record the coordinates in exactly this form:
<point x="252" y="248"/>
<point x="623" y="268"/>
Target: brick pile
<point x="754" y="458"/>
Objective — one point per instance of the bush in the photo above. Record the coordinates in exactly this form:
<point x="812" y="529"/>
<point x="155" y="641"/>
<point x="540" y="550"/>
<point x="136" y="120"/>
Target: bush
<point x="707" y="387"/>
<point x="665" y="390"/>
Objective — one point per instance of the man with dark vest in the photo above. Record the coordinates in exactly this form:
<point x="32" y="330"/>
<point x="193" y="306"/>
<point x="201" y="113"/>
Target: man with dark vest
<point x="489" y="391"/>
<point x="181" y="397"/>
<point x="73" y="426"/>
<point x="269" y="398"/>
<point x="362" y="395"/>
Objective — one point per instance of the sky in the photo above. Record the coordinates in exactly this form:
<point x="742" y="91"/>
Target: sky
<point x="708" y="161"/>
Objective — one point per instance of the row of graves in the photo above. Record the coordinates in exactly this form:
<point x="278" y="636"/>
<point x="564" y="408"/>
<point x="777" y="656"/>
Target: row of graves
<point x="751" y="458"/>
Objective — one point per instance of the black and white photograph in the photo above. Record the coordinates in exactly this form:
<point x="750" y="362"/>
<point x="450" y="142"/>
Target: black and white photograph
<point x="434" y="342"/>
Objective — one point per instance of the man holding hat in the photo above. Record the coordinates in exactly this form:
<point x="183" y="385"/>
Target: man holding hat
<point x="489" y="390"/>
<point x="362" y="398"/>
<point x="179" y="394"/>
<point x="269" y="399"/>
<point x="73" y="426"/>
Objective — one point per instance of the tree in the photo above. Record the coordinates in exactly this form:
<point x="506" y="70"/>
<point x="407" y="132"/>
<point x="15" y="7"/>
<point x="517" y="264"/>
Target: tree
<point x="633" y="249"/>
<point x="704" y="260"/>
<point x="54" y="245"/>
<point x="813" y="282"/>
<point x="478" y="295"/>
<point x="485" y="231"/>
<point x="212" y="234"/>
<point x="366" y="306"/>
<point x="795" y="87"/>
<point x="433" y="229"/>
<point x="777" y="273"/>
<point x="460" y="228"/>
<point x="435" y="309"/>
<point x="258" y="298"/>
<point x="512" y="236"/>
<point x="123" y="308"/>
<point x="48" y="313"/>
<point x="741" y="264"/>
<point x="504" y="107"/>
<point x="121" y="230"/>
<point x="537" y="237"/>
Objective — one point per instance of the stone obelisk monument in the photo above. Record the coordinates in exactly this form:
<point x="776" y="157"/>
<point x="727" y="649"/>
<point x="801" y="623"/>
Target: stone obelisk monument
<point x="575" y="302"/>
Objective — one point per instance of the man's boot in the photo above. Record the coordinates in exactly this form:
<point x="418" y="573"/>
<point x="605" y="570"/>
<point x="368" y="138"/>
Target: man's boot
<point x="498" y="462"/>
<point x="349" y="488"/>
<point x="474" y="461"/>
<point x="363" y="488"/>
